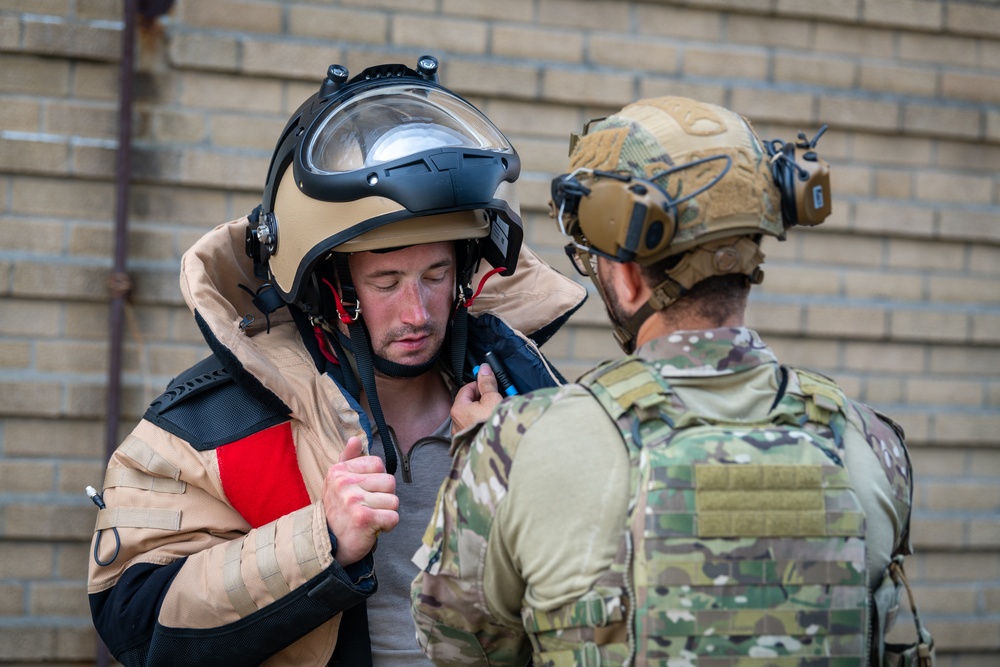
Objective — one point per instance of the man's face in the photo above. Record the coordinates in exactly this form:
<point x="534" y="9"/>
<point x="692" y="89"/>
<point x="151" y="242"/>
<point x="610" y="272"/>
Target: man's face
<point x="406" y="298"/>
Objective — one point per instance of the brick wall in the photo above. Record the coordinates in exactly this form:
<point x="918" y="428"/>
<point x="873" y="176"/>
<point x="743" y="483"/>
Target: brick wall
<point x="897" y="295"/>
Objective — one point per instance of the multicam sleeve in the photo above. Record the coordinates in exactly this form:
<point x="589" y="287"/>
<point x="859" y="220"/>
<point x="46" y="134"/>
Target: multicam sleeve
<point x="878" y="463"/>
<point x="454" y="619"/>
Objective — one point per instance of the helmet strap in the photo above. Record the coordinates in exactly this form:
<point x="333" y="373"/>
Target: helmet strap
<point x="393" y="369"/>
<point x="467" y="256"/>
<point x="361" y="347"/>
<point x="459" y="335"/>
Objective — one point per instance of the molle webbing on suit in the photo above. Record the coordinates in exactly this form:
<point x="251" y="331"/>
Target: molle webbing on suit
<point x="745" y="542"/>
<point x="156" y="474"/>
<point x="263" y="552"/>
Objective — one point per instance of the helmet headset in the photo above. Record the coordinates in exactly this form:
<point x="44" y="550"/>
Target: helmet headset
<point x="384" y="160"/>
<point x="675" y="178"/>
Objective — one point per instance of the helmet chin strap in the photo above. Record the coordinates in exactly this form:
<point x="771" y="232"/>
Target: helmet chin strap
<point x="388" y="367"/>
<point x="393" y="369"/>
<point x="362" y="349"/>
<point x="626" y="331"/>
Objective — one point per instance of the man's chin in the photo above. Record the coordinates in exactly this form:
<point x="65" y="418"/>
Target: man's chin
<point x="413" y="359"/>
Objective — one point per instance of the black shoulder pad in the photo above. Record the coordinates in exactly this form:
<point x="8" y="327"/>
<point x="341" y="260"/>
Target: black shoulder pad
<point x="207" y="407"/>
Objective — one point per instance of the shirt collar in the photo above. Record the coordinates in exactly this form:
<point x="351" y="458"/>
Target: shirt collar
<point x="704" y="352"/>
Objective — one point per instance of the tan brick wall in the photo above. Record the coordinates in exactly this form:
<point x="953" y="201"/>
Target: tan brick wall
<point x="897" y="296"/>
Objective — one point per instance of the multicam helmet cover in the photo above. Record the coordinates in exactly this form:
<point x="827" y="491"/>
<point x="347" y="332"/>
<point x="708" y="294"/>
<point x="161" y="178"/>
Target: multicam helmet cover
<point x="711" y="168"/>
<point x="671" y="177"/>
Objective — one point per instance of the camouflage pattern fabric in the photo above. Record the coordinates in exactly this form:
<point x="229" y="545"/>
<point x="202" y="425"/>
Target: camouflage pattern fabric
<point x="450" y="599"/>
<point x="748" y="540"/>
<point x="650" y="136"/>
<point x="744" y="544"/>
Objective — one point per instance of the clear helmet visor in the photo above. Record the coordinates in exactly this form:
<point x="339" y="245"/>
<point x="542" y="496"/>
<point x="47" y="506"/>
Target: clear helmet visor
<point x="391" y="122"/>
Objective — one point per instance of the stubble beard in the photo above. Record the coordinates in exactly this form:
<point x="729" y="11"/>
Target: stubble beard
<point x="384" y="347"/>
<point x="613" y="306"/>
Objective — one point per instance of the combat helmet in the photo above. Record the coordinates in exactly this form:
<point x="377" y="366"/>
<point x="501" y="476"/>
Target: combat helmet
<point x="675" y="178"/>
<point x="387" y="159"/>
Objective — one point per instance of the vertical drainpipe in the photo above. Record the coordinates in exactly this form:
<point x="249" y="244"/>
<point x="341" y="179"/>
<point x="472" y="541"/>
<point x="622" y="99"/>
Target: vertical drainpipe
<point x="119" y="283"/>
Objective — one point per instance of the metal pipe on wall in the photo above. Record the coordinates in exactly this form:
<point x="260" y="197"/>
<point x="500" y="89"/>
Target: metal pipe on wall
<point x="119" y="282"/>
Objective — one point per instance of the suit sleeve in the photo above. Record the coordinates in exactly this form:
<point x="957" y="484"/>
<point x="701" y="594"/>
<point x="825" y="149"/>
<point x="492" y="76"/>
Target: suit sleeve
<point x="188" y="582"/>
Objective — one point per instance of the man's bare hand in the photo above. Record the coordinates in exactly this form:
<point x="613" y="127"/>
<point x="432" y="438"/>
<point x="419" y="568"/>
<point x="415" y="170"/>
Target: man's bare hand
<point x="475" y="401"/>
<point x="360" y="501"/>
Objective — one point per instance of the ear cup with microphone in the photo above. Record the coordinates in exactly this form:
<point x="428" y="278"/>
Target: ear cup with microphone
<point x="804" y="182"/>
<point x="628" y="218"/>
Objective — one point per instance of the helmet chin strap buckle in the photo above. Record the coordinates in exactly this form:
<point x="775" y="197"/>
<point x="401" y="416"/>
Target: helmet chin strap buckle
<point x="346" y="317"/>
<point x="341" y="306"/>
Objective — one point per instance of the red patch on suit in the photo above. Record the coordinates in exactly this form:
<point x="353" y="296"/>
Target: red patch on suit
<point x="260" y="475"/>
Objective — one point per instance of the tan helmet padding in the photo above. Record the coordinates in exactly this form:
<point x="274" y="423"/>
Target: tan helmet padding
<point x="423" y="229"/>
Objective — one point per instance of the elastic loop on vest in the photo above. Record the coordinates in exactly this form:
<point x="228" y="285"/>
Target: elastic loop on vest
<point x="587" y="655"/>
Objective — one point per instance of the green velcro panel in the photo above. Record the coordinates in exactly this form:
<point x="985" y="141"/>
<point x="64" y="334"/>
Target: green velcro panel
<point x="760" y="500"/>
<point x="761" y="522"/>
<point x="777" y="477"/>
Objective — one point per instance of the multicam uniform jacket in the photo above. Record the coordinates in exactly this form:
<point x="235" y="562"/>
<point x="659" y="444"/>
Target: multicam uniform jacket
<point x="214" y="545"/>
<point x="532" y="521"/>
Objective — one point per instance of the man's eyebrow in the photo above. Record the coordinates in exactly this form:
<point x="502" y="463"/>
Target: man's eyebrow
<point x="442" y="264"/>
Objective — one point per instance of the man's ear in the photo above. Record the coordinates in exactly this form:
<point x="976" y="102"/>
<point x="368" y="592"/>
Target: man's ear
<point x="630" y="285"/>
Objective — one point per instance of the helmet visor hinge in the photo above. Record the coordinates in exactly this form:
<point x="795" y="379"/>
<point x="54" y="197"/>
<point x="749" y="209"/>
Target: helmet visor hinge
<point x="267" y="235"/>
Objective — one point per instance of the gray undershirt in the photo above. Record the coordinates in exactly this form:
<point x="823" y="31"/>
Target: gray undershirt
<point x="390" y="625"/>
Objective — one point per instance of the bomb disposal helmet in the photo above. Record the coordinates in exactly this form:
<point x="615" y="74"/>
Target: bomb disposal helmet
<point x="387" y="159"/>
